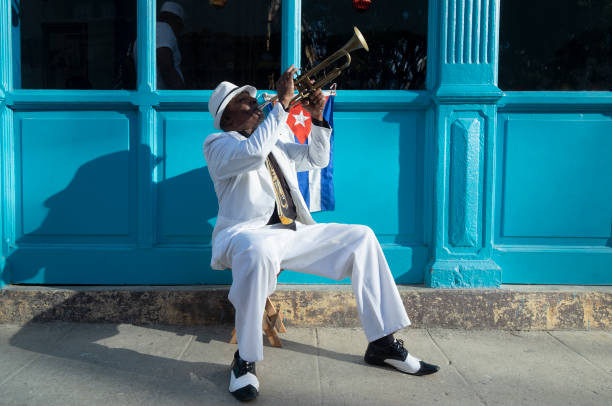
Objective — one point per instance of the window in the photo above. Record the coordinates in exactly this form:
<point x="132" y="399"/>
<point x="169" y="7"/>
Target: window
<point x="396" y="33"/>
<point x="235" y="40"/>
<point x="75" y="44"/>
<point x="91" y="44"/>
<point x="556" y="45"/>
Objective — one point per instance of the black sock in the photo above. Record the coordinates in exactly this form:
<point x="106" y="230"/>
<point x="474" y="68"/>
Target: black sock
<point x="384" y="341"/>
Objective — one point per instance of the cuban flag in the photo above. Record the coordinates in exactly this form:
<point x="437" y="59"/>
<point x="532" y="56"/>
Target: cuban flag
<point x="317" y="185"/>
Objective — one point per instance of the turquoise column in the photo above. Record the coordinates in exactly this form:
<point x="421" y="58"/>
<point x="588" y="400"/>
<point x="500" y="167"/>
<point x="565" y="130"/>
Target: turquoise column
<point x="146" y="101"/>
<point x="291" y="33"/>
<point x="463" y="81"/>
<point x="6" y="143"/>
<point x="16" y="43"/>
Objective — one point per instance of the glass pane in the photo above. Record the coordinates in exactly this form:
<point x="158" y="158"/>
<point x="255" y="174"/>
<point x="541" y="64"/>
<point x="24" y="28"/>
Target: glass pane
<point x="77" y="44"/>
<point x="396" y="33"/>
<point x="208" y="41"/>
<point x="555" y="45"/>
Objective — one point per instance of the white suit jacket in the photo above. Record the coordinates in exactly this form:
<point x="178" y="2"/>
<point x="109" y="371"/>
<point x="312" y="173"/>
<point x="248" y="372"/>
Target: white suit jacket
<point x="242" y="182"/>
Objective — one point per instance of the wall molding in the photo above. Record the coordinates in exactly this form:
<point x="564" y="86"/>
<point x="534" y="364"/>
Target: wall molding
<point x="470" y="36"/>
<point x="464" y="180"/>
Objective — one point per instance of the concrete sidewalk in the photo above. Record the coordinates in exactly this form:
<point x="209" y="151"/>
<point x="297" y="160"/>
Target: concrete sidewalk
<point x="121" y="364"/>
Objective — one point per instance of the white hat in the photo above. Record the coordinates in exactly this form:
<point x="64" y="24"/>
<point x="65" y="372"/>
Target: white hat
<point x="174" y="8"/>
<point x="223" y="94"/>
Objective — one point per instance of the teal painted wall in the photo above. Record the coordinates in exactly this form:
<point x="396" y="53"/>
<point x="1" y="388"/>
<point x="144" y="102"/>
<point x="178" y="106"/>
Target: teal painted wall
<point x="464" y="185"/>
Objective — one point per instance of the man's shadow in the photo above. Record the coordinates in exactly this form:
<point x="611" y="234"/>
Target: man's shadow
<point x="83" y="351"/>
<point x="101" y="207"/>
<point x="88" y="205"/>
<point x="98" y="206"/>
<point x="105" y="351"/>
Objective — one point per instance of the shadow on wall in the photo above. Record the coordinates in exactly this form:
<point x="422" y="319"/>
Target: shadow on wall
<point x="89" y="234"/>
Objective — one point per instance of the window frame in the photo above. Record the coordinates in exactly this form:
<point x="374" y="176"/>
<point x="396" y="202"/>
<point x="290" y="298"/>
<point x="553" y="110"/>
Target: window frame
<point x="147" y="94"/>
<point x="353" y="100"/>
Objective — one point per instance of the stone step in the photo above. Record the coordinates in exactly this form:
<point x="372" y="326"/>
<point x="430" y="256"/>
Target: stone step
<point x="512" y="307"/>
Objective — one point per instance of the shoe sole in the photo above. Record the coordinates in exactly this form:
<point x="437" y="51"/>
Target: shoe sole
<point x="396" y="364"/>
<point x="246" y="393"/>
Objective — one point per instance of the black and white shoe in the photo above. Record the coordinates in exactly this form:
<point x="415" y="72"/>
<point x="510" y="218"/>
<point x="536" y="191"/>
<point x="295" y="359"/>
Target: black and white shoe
<point x="243" y="380"/>
<point x="397" y="356"/>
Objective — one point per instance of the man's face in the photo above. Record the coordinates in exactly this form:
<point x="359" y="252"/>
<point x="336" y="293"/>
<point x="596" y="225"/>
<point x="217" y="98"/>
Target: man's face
<point x="242" y="114"/>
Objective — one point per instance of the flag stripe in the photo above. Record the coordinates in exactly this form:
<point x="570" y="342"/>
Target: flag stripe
<point x="304" y="186"/>
<point x="314" y="183"/>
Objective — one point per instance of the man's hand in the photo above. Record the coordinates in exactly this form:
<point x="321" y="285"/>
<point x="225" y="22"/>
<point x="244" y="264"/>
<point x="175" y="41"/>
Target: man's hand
<point x="315" y="104"/>
<point x="285" y="87"/>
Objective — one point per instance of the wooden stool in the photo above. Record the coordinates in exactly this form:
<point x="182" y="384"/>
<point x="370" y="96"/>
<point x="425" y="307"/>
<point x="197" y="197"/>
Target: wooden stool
<point x="272" y="325"/>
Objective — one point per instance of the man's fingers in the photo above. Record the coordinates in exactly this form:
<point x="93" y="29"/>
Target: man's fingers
<point x="317" y="95"/>
<point x="317" y="98"/>
<point x="290" y="71"/>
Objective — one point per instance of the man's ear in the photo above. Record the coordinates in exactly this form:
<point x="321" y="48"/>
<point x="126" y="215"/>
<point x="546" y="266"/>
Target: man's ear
<point x="226" y="122"/>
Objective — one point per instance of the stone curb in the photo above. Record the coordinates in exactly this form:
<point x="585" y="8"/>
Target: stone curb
<point x="509" y="308"/>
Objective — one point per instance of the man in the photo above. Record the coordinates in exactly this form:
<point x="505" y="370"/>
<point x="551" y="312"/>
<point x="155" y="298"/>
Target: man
<point x="169" y="26"/>
<point x="264" y="226"/>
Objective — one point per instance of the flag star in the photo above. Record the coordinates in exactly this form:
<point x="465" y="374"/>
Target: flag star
<point x="301" y="119"/>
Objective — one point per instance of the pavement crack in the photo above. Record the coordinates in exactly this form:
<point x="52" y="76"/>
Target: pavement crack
<point x="8" y="378"/>
<point x="318" y="368"/>
<point x="448" y="360"/>
<point x="70" y="327"/>
<point x="564" y="344"/>
<point x="457" y="371"/>
<point x="186" y="347"/>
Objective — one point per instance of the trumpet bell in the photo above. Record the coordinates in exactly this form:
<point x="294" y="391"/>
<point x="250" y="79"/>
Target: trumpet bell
<point x="356" y="42"/>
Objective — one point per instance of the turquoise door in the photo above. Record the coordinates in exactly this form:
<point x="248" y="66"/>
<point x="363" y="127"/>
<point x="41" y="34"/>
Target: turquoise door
<point x="104" y="182"/>
<point x="474" y="138"/>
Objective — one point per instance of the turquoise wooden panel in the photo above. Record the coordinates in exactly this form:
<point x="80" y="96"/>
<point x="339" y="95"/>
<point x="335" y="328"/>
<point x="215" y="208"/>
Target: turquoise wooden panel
<point x="557" y="178"/>
<point x="555" y="265"/>
<point x="104" y="265"/>
<point x="553" y="193"/>
<point x="74" y="175"/>
<point x="187" y="204"/>
<point x="376" y="169"/>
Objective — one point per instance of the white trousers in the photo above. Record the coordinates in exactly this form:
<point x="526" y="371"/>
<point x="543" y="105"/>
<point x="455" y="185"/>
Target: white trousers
<point x="332" y="250"/>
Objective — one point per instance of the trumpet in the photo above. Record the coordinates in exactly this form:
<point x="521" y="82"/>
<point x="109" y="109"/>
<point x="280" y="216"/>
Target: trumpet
<point x="307" y="83"/>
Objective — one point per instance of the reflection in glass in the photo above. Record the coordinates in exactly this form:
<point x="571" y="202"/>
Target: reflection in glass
<point x="235" y="40"/>
<point x="76" y="44"/>
<point x="556" y="45"/>
<point x="396" y="33"/>
<point x="170" y="24"/>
